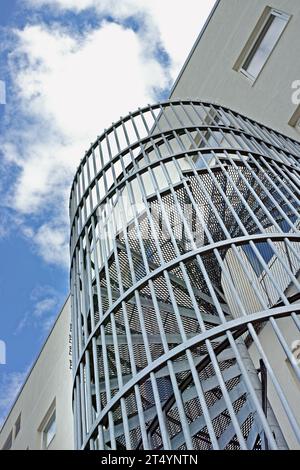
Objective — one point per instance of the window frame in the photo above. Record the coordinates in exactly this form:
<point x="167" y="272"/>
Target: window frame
<point x="17" y="426"/>
<point x="45" y="424"/>
<point x="256" y="42"/>
<point x="48" y="424"/>
<point x="295" y="119"/>
<point x="292" y="372"/>
<point x="8" y="442"/>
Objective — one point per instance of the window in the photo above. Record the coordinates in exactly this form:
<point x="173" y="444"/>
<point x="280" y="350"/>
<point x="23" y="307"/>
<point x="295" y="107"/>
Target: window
<point x="265" y="251"/>
<point x="264" y="44"/>
<point x="47" y="428"/>
<point x="295" y="119"/>
<point x="18" y="425"/>
<point x="49" y="431"/>
<point x="8" y="442"/>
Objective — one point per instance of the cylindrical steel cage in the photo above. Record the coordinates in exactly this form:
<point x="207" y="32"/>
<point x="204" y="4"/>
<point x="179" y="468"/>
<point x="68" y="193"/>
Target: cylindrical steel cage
<point x="185" y="283"/>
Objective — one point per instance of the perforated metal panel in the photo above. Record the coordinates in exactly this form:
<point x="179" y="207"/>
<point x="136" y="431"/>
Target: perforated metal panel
<point x="184" y="275"/>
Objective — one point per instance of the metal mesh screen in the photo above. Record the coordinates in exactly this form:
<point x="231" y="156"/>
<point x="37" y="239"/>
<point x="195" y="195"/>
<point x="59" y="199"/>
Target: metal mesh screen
<point x="184" y="279"/>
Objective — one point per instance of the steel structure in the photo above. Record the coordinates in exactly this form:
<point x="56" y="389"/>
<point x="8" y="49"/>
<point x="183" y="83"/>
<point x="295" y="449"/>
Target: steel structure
<point x="184" y="254"/>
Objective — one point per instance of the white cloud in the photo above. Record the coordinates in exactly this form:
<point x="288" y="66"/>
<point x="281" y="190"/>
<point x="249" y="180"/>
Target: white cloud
<point x="2" y="92"/>
<point x="50" y="241"/>
<point x="10" y="384"/>
<point x="8" y="222"/>
<point x="4" y="225"/>
<point x="69" y="87"/>
<point x="43" y="306"/>
<point x="176" y="23"/>
<point x="48" y="323"/>
<point x="46" y="302"/>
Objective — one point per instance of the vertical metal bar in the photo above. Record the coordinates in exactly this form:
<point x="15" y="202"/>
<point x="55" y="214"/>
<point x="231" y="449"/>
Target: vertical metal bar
<point x="222" y="127"/>
<point x="264" y="398"/>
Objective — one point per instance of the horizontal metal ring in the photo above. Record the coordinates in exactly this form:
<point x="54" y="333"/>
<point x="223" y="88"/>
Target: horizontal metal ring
<point x="172" y="264"/>
<point x="188" y="344"/>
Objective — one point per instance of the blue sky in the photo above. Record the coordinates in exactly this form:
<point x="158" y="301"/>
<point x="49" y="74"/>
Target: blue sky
<point x="70" y="67"/>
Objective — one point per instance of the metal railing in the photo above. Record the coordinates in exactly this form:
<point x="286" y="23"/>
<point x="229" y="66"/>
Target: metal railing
<point x="184" y="279"/>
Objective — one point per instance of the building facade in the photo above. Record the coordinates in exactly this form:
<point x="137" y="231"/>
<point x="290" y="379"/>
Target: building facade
<point x="185" y="261"/>
<point x="247" y="58"/>
<point x="41" y="417"/>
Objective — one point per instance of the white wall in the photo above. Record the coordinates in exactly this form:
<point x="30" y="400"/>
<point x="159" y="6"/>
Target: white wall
<point x="50" y="379"/>
<point x="270" y="343"/>
<point x="209" y="73"/>
<point x="284" y="374"/>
